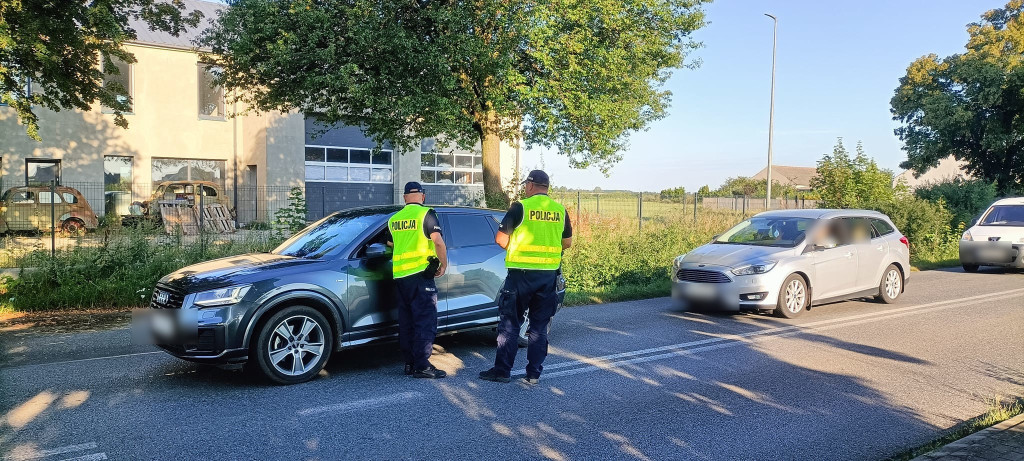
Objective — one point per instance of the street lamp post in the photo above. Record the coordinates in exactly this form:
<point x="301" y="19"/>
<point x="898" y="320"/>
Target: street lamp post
<point x="771" y="115"/>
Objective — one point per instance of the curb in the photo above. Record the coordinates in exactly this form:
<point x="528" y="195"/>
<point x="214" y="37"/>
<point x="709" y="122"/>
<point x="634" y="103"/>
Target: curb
<point x="980" y="443"/>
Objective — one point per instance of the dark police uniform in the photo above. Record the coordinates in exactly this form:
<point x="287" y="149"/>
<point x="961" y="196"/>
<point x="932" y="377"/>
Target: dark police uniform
<point x="414" y="264"/>
<point x="533" y="261"/>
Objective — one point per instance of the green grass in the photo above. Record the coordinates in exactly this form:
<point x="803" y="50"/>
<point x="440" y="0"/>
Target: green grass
<point x="998" y="412"/>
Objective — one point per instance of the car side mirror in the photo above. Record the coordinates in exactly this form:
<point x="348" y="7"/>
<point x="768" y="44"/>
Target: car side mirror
<point x="377" y="250"/>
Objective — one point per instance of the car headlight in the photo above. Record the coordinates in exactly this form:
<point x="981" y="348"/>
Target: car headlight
<point x="221" y="296"/>
<point x="967" y="237"/>
<point x="752" y="269"/>
<point x="678" y="262"/>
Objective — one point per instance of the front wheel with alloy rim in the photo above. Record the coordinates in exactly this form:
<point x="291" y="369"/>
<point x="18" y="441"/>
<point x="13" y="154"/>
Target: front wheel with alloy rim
<point x="293" y="345"/>
<point x="891" y="285"/>
<point x="793" y="298"/>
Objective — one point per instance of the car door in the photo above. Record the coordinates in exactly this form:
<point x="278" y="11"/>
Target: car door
<point x="50" y="207"/>
<point x="476" y="269"/>
<point x="370" y="294"/>
<point x="835" y="269"/>
<point x="871" y="253"/>
<point x="21" y="210"/>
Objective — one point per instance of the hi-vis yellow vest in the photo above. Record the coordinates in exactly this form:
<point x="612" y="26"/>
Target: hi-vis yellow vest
<point x="537" y="242"/>
<point x="412" y="248"/>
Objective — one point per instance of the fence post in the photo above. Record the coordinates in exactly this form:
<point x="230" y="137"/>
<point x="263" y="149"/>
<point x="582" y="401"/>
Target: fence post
<point x="578" y="206"/>
<point x="53" y="218"/>
<point x="695" y="198"/>
<point x="640" y="211"/>
<point x="598" y="197"/>
<point x="202" y="212"/>
<point x="744" y="207"/>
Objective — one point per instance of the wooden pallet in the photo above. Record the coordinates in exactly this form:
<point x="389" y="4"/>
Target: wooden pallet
<point x="178" y="214"/>
<point x="217" y="219"/>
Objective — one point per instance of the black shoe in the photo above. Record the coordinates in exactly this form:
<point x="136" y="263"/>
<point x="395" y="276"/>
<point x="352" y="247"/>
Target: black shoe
<point x="430" y="372"/>
<point x="408" y="369"/>
<point x="492" y="375"/>
<point x="531" y="380"/>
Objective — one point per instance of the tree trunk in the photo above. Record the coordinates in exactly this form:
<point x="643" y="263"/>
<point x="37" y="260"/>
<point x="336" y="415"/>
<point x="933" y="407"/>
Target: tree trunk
<point x="494" y="191"/>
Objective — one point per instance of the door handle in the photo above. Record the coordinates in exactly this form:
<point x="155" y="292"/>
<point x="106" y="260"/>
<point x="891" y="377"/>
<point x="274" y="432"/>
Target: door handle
<point x="880" y="248"/>
<point x="849" y="254"/>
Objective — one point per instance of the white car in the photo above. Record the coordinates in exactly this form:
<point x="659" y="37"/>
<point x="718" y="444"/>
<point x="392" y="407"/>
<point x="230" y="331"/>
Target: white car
<point x="997" y="238"/>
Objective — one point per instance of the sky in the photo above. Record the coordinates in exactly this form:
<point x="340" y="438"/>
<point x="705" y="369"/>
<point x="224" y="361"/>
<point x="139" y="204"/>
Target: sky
<point x="837" y="66"/>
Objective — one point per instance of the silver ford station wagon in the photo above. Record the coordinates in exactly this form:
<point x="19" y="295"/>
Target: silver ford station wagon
<point x="788" y="260"/>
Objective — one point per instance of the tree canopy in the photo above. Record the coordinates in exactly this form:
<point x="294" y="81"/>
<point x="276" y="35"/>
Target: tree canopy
<point x="969" y="105"/>
<point x="50" y="52"/>
<point x="577" y="76"/>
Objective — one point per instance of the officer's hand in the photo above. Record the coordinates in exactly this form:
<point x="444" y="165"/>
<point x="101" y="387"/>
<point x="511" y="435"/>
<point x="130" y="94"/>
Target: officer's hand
<point x="440" y="271"/>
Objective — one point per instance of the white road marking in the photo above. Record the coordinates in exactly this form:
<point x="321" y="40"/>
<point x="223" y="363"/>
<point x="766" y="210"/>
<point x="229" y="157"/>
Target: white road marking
<point x="65" y="362"/>
<point x="36" y="454"/>
<point x="675" y="350"/>
<point x="361" y="404"/>
<point x="92" y="457"/>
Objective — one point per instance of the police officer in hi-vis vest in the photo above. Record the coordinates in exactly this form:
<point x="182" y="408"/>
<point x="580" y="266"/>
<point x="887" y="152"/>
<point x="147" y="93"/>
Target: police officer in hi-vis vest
<point x="534" y="232"/>
<point x="419" y="257"/>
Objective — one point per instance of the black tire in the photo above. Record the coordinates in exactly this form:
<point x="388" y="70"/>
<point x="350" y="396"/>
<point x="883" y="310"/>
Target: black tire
<point x="972" y="268"/>
<point x="887" y="294"/>
<point x="793" y="289"/>
<point x="270" y="336"/>
<point x="73" y="227"/>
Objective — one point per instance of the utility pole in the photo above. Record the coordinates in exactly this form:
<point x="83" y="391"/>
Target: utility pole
<point x="771" y="115"/>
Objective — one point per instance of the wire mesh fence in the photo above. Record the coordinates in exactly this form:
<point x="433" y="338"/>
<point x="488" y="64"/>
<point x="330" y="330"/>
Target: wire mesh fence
<point x="643" y="207"/>
<point x="45" y="219"/>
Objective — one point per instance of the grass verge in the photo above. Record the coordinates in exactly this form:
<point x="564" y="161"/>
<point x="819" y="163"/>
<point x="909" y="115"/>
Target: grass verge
<point x="998" y="412"/>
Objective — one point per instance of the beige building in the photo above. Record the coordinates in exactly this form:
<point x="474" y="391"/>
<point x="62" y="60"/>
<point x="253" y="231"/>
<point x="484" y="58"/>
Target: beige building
<point x="948" y="168"/>
<point x="797" y="176"/>
<point x="180" y="128"/>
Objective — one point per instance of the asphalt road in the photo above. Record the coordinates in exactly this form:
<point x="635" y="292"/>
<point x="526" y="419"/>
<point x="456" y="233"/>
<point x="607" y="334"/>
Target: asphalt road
<point x="636" y="380"/>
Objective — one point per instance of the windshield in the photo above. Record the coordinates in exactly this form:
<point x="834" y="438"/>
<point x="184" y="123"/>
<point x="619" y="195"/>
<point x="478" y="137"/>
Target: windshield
<point x="328" y="234"/>
<point x="767" y="231"/>
<point x="1004" y="215"/>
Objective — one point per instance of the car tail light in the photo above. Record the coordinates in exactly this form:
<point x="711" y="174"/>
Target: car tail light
<point x="904" y="241"/>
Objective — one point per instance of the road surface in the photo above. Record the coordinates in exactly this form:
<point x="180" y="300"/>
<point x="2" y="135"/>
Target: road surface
<point x="635" y="380"/>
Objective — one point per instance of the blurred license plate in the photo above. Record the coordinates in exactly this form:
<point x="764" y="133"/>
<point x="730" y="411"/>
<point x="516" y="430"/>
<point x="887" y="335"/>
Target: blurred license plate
<point x="700" y="291"/>
<point x="995" y="253"/>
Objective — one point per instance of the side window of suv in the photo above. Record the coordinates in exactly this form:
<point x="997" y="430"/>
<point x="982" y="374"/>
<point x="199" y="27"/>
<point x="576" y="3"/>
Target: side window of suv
<point x="468" y="230"/>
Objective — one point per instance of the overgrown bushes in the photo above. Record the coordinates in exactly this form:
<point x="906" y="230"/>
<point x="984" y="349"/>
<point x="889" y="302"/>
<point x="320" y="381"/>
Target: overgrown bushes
<point x="965" y="199"/>
<point x="120" y="272"/>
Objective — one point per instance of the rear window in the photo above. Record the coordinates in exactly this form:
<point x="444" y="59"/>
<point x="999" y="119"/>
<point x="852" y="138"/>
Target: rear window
<point x="467" y="230"/>
<point x="1004" y="215"/>
<point x="882" y="227"/>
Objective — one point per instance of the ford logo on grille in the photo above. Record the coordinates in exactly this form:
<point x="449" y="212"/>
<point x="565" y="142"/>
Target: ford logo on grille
<point x="161" y="297"/>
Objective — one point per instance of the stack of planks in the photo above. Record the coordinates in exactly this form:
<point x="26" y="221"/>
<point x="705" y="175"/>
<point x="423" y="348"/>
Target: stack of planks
<point x="181" y="214"/>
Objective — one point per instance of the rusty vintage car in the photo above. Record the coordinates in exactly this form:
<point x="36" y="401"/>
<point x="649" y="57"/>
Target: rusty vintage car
<point x="33" y="208"/>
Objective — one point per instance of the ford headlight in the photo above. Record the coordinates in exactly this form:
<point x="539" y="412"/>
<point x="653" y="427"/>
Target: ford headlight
<point x="678" y="262"/>
<point x="967" y="237"/>
<point x="221" y="296"/>
<point x="752" y="269"/>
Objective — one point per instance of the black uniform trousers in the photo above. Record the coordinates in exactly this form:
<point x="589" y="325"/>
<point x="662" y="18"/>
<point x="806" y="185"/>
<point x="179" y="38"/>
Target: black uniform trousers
<point x="525" y="291"/>
<point x="417" y="318"/>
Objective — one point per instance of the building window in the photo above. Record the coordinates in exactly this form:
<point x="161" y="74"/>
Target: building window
<point x="119" y="79"/>
<point x="30" y="86"/>
<point x="179" y="169"/>
<point x="117" y="173"/>
<point x="456" y="167"/>
<point x="41" y="172"/>
<point x="346" y="164"/>
<point x="211" y="97"/>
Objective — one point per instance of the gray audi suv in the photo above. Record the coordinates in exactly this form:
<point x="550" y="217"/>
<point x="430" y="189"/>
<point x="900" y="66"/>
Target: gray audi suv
<point x="326" y="288"/>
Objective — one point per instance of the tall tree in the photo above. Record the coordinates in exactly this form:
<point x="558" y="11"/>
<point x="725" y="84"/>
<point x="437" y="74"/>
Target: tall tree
<point x="854" y="182"/>
<point x="58" y="47"/>
<point x="574" y="75"/>
<point x="970" y="105"/>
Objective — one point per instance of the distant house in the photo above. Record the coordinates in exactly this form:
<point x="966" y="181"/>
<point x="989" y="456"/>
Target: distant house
<point x="948" y="168"/>
<point x="799" y="177"/>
